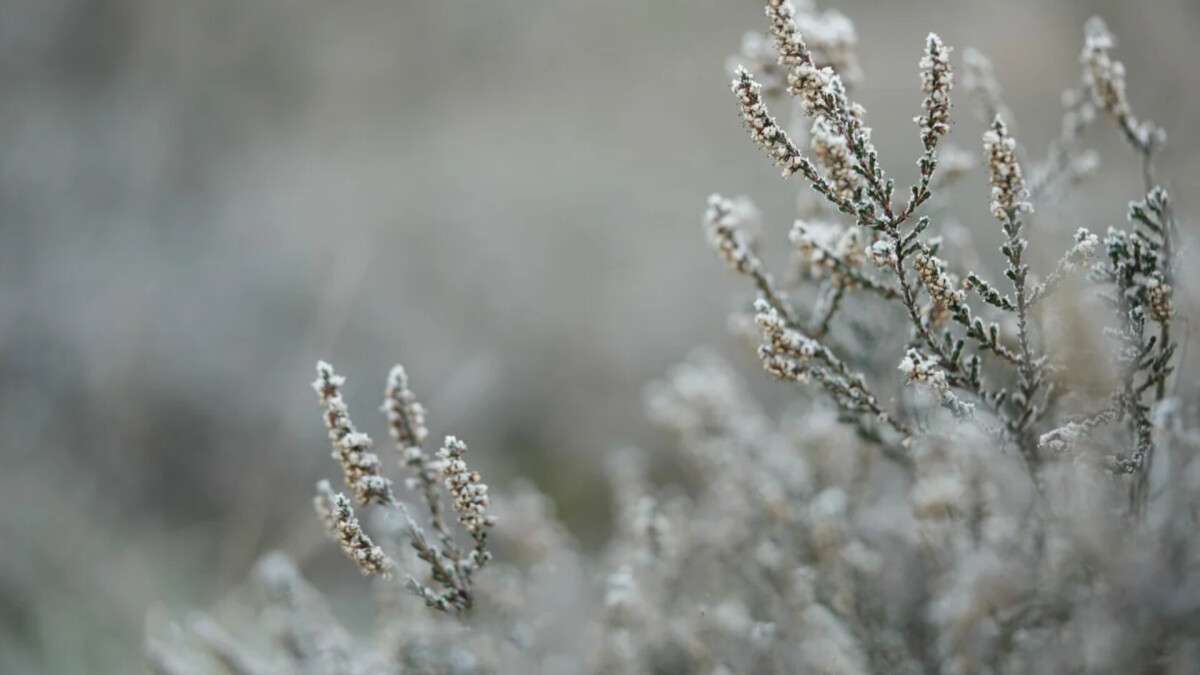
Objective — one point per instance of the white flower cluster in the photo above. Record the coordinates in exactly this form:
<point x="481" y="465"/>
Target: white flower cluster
<point x="470" y="494"/>
<point x="785" y="351"/>
<point x="833" y="153"/>
<point x="818" y="87"/>
<point x="1008" y="185"/>
<point x="360" y="467"/>
<point x="936" y="81"/>
<point x="335" y="511"/>
<point x="1159" y="295"/>
<point x="941" y="286"/>
<point x="406" y="416"/>
<point x="763" y="128"/>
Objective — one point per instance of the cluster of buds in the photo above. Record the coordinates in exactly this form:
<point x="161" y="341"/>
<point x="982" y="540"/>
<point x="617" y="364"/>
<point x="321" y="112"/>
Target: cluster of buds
<point x="450" y="568"/>
<point x="785" y="352"/>
<point x="335" y="511"/>
<point x="833" y="153"/>
<point x="819" y="88"/>
<point x="360" y="467"/>
<point x="763" y="128"/>
<point x="941" y="286"/>
<point x="936" y="81"/>
<point x="779" y="336"/>
<point x="470" y="495"/>
<point x="1159" y="296"/>
<point x="1008" y="184"/>
<point x="406" y="416"/>
<point x="804" y="79"/>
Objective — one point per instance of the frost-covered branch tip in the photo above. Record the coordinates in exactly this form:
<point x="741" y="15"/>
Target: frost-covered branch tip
<point x="338" y="516"/>
<point x="360" y="467"/>
<point x="1104" y="79"/>
<point x="937" y="79"/>
<point x="450" y="568"/>
<point x="470" y="496"/>
<point x="1008" y="183"/>
<point x="406" y="416"/>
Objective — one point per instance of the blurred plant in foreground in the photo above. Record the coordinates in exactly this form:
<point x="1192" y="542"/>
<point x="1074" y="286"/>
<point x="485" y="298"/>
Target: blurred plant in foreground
<point x="955" y="502"/>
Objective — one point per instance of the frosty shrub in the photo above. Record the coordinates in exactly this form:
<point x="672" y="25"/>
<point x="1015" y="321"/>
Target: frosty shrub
<point x="987" y="467"/>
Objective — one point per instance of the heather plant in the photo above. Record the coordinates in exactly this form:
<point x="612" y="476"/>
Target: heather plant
<point x="947" y="492"/>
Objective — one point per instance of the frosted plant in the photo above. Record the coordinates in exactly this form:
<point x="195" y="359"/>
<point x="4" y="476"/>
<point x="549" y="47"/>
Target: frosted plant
<point x="360" y="467"/>
<point x="956" y="496"/>
<point x="1010" y="375"/>
<point x="451" y="569"/>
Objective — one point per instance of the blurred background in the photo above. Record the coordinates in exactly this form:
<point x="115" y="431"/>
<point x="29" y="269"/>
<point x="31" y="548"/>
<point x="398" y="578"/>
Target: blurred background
<point x="200" y="199"/>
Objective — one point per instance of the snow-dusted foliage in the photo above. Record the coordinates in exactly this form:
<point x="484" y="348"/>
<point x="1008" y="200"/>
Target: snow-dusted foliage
<point x="947" y="492"/>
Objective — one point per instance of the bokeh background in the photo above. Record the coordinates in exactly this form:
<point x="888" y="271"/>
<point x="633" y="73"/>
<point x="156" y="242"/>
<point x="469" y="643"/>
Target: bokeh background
<point x="200" y="199"/>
